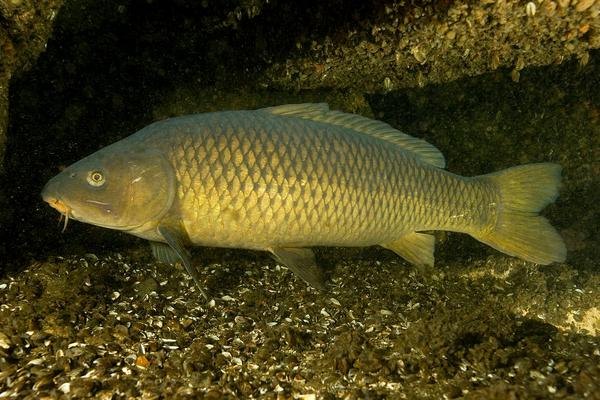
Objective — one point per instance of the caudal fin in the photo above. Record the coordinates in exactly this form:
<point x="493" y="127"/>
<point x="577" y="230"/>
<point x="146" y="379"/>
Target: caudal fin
<point x="520" y="231"/>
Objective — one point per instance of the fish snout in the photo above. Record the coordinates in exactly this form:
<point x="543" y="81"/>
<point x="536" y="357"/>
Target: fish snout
<point x="49" y="195"/>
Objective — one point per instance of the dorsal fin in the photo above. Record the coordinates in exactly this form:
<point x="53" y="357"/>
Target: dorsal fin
<point x="320" y="112"/>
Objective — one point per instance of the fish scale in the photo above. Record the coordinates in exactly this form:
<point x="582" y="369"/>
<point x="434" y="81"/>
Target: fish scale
<point x="351" y="190"/>
<point x="286" y="178"/>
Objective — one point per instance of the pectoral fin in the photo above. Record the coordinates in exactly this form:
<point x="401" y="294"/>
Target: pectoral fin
<point x="302" y="263"/>
<point x="163" y="253"/>
<point x="175" y="240"/>
<point x="416" y="248"/>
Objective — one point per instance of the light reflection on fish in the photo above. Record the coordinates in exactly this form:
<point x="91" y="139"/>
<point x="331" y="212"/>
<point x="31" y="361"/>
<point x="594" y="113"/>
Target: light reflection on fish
<point x="285" y="178"/>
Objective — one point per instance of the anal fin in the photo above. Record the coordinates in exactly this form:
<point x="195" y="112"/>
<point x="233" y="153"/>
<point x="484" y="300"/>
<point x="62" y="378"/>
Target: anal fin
<point x="416" y="248"/>
<point x="302" y="262"/>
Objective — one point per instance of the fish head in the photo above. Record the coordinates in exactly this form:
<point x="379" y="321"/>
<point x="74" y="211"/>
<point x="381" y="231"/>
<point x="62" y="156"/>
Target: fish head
<point x="114" y="188"/>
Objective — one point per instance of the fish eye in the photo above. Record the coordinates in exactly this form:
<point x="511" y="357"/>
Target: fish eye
<point x="95" y="178"/>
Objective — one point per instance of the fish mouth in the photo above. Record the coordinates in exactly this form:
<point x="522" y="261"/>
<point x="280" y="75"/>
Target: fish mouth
<point x="62" y="208"/>
<point x="58" y="205"/>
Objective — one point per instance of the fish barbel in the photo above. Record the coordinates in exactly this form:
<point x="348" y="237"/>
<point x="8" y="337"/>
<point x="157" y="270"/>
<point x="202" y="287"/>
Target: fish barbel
<point x="286" y="178"/>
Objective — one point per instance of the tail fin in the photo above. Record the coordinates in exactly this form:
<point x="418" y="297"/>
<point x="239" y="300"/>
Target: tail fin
<point x="520" y="231"/>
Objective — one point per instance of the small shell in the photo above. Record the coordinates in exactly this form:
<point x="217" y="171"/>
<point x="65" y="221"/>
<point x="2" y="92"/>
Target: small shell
<point x="387" y="84"/>
<point x="65" y="388"/>
<point x="583" y="5"/>
<point x="550" y="7"/>
<point x="564" y="3"/>
<point x="141" y="361"/>
<point x="236" y="361"/>
<point x="5" y="341"/>
<point x="515" y="75"/>
<point x="530" y="9"/>
<point x="418" y="54"/>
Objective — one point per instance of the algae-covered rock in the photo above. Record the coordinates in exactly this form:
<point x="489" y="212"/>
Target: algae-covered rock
<point x="25" y="26"/>
<point x="382" y="46"/>
<point x="366" y="46"/>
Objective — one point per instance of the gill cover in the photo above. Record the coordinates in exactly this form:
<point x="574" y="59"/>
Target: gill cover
<point x="150" y="188"/>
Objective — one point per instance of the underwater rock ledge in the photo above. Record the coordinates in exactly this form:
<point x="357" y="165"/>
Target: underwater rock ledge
<point x="367" y="46"/>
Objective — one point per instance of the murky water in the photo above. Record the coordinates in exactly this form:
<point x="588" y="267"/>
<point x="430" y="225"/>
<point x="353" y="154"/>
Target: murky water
<point x="89" y="312"/>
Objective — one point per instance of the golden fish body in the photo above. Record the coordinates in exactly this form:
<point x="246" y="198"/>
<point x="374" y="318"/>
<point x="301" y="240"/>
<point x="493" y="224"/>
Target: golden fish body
<point x="246" y="179"/>
<point x="285" y="178"/>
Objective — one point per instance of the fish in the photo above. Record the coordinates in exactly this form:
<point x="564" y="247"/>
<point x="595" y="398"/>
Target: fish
<point x="287" y="178"/>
